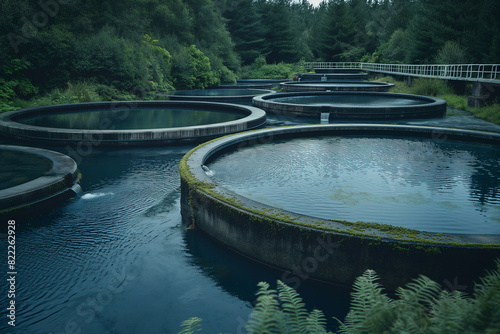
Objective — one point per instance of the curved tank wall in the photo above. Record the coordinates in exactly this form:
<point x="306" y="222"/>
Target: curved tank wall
<point x="352" y="105"/>
<point x="329" y="250"/>
<point x="224" y="95"/>
<point x="357" y="76"/>
<point x="50" y="186"/>
<point x="105" y="134"/>
<point x="312" y="86"/>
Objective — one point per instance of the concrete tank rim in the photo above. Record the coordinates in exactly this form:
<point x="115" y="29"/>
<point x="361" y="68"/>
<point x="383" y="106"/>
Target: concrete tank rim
<point x="325" y="85"/>
<point x="194" y="97"/>
<point x="252" y="114"/>
<point x="433" y="100"/>
<point x="330" y="83"/>
<point x="191" y="171"/>
<point x="63" y="167"/>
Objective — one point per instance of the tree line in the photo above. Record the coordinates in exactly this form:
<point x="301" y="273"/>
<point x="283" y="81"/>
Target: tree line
<point x="144" y="46"/>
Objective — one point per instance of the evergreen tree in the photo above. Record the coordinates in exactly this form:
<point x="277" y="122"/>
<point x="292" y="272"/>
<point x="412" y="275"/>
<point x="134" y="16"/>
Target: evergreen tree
<point x="435" y="23"/>
<point x="245" y="26"/>
<point x="282" y="42"/>
<point x="339" y="31"/>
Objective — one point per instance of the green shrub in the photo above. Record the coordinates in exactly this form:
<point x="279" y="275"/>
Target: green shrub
<point x="455" y="101"/>
<point x="52" y="57"/>
<point x="430" y="87"/>
<point x="490" y="113"/>
<point x="103" y="57"/>
<point x="261" y="70"/>
<point x="451" y="53"/>
<point x="13" y="83"/>
<point x="192" y="70"/>
<point x="77" y="92"/>
<point x="83" y="91"/>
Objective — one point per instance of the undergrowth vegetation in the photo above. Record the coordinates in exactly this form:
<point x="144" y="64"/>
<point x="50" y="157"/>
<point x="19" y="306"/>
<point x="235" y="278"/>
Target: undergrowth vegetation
<point x="439" y="88"/>
<point x="422" y="306"/>
<point x="259" y="69"/>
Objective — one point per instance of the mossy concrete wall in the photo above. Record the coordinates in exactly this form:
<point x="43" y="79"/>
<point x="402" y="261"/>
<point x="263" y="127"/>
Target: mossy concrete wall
<point x="328" y="250"/>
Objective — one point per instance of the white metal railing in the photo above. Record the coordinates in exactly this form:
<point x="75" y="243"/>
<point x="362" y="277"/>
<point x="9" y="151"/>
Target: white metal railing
<point x="469" y="72"/>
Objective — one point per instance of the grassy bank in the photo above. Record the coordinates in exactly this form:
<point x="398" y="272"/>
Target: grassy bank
<point x="439" y="88"/>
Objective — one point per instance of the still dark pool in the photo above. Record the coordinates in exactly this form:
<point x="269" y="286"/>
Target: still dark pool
<point x="423" y="184"/>
<point x="118" y="259"/>
<point x="351" y="100"/>
<point x="131" y="119"/>
<point x="18" y="167"/>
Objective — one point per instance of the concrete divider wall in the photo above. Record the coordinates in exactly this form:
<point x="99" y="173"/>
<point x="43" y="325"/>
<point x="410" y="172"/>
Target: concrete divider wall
<point x="334" y="251"/>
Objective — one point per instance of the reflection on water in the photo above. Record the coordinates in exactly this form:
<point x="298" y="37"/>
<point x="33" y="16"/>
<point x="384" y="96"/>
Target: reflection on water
<point x="415" y="183"/>
<point x="131" y="119"/>
<point x="350" y="100"/>
<point x="220" y="92"/>
<point x="19" y="167"/>
<point x="119" y="260"/>
<point x="336" y="84"/>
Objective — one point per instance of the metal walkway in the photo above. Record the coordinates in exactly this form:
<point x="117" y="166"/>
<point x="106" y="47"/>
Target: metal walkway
<point x="466" y="72"/>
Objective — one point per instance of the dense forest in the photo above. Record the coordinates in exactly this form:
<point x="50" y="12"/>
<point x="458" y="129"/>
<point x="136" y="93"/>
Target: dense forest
<point x="134" y="48"/>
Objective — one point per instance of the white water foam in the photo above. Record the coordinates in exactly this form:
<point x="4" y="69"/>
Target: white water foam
<point x="96" y="195"/>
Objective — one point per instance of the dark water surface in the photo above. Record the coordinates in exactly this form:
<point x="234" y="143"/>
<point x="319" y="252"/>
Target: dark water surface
<point x="119" y="260"/>
<point x="414" y="183"/>
<point x="131" y="119"/>
<point x="18" y="167"/>
<point x="350" y="100"/>
<point x="220" y="92"/>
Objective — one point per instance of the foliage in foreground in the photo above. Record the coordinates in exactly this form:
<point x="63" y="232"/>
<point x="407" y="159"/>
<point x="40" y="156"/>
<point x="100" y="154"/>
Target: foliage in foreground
<point x="421" y="307"/>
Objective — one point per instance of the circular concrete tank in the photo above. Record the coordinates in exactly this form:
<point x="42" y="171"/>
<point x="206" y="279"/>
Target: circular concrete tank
<point x="34" y="179"/>
<point x="313" y="86"/>
<point x="130" y="123"/>
<point x="351" y="105"/>
<point x="330" y="250"/>
<point x="225" y="95"/>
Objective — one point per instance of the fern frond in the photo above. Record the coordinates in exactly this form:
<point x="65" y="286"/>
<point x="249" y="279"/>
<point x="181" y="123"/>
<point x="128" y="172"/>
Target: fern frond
<point x="370" y="307"/>
<point x="190" y="326"/>
<point x="266" y="316"/>
<point x="449" y="311"/>
<point x="486" y="309"/>
<point x="422" y="290"/>
<point x="293" y="309"/>
<point x="414" y="301"/>
<point x="316" y="322"/>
